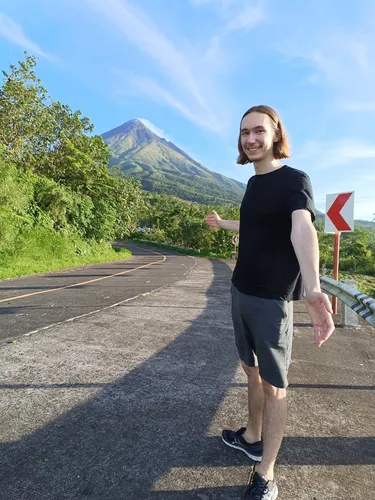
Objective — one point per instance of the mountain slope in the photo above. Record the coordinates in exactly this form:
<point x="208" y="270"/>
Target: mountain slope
<point x="164" y="168"/>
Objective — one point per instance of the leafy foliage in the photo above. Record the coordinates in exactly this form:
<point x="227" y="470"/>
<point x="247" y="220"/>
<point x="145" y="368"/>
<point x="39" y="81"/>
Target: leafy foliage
<point x="54" y="170"/>
<point x="357" y="251"/>
<point x="172" y="220"/>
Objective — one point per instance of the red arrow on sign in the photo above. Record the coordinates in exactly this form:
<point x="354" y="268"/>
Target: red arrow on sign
<point x="334" y="212"/>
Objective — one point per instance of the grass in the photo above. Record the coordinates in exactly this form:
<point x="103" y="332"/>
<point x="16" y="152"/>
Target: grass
<point x="40" y="250"/>
<point x="365" y="283"/>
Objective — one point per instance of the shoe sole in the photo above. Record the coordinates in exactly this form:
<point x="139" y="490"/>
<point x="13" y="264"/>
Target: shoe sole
<point x="254" y="458"/>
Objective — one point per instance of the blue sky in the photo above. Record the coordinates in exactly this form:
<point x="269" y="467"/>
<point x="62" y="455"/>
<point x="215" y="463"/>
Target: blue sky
<point x="192" y="67"/>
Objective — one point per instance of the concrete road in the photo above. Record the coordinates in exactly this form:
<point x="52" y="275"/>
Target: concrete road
<point x="129" y="403"/>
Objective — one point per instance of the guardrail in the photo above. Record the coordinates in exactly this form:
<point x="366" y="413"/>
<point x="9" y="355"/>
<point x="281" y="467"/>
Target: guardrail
<point x="354" y="302"/>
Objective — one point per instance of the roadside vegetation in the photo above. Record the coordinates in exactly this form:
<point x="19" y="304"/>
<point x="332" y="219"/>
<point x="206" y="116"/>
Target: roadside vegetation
<point x="59" y="204"/>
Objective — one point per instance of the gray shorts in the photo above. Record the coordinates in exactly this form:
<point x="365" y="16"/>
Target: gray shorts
<point x="263" y="330"/>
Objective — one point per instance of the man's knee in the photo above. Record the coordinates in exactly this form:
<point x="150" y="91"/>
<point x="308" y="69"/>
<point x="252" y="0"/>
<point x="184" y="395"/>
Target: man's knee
<point x="251" y="371"/>
<point x="273" y="391"/>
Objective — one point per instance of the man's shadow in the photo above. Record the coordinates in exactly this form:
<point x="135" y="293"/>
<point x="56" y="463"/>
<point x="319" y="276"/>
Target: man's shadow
<point x="154" y="420"/>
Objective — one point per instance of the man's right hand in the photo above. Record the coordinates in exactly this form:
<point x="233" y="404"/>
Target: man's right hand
<point x="213" y="220"/>
<point x="320" y="311"/>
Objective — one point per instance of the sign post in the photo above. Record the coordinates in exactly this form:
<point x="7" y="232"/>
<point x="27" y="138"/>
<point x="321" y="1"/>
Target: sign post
<point x="235" y="240"/>
<point x="336" y="257"/>
<point x="339" y="218"/>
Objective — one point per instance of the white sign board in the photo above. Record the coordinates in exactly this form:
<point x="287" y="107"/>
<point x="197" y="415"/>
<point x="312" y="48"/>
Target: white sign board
<point x="339" y="212"/>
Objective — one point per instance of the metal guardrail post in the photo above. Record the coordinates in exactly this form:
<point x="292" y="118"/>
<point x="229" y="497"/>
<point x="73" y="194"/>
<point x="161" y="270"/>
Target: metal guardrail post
<point x="350" y="319"/>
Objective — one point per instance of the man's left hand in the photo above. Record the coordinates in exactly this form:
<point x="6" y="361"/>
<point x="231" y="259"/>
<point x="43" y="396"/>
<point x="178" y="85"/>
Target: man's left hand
<point x="320" y="311"/>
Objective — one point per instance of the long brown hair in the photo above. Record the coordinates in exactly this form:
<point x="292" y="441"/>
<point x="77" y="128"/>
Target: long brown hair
<point x="281" y="147"/>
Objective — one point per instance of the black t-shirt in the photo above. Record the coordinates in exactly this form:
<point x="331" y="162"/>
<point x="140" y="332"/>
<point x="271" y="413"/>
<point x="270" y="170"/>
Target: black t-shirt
<point x="267" y="265"/>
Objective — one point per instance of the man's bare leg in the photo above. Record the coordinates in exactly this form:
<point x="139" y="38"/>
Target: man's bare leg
<point x="255" y="395"/>
<point x="275" y="414"/>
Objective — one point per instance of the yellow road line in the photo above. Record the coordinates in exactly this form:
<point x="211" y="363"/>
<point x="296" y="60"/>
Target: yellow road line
<point x="17" y="297"/>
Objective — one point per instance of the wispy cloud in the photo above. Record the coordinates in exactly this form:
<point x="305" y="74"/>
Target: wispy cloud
<point x="237" y="14"/>
<point x="336" y="153"/>
<point x="247" y="18"/>
<point x="221" y="4"/>
<point x="158" y="131"/>
<point x="357" y="106"/>
<point x="151" y="89"/>
<point x="138" y="28"/>
<point x="341" y="58"/>
<point x="13" y="32"/>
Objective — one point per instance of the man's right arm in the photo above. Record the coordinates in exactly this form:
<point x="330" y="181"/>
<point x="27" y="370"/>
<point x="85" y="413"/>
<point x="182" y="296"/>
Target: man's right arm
<point x="216" y="222"/>
<point x="230" y="225"/>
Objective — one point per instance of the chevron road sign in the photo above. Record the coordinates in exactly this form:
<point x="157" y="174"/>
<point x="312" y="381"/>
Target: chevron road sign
<point x="339" y="218"/>
<point x="235" y="239"/>
<point x="339" y="213"/>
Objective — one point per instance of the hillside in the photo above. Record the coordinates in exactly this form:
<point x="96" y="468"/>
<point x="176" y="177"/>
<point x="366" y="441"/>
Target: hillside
<point x="164" y="168"/>
<point x="366" y="224"/>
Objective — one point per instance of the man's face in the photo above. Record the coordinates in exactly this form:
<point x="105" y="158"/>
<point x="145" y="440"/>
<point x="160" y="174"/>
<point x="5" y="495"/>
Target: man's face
<point x="257" y="136"/>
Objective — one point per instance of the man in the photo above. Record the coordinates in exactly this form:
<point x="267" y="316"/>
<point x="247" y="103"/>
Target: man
<point x="278" y="250"/>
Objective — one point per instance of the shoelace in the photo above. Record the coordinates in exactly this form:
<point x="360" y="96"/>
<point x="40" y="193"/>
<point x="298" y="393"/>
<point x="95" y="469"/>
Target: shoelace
<point x="257" y="490"/>
<point x="238" y="435"/>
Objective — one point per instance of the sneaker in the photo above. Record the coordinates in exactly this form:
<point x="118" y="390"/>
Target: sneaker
<point x="235" y="440"/>
<point x="260" y="489"/>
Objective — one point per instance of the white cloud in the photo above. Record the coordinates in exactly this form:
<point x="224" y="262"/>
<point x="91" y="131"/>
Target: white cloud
<point x="237" y="14"/>
<point x="356" y="106"/>
<point x="326" y="155"/>
<point x="221" y="4"/>
<point x="13" y="32"/>
<point x="341" y="59"/>
<point x="158" y="131"/>
<point x="247" y="18"/>
<point x="150" y="88"/>
<point x="213" y="54"/>
<point x="139" y="29"/>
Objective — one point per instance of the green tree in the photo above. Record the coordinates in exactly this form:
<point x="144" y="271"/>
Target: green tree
<point x="356" y="254"/>
<point x="45" y="136"/>
<point x="15" y="199"/>
<point x="65" y="164"/>
<point x="23" y="110"/>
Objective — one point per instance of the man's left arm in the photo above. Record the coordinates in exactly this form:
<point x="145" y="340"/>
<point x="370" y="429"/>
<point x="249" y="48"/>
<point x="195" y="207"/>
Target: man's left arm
<point x="305" y="243"/>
